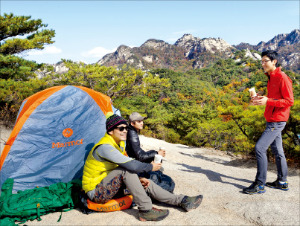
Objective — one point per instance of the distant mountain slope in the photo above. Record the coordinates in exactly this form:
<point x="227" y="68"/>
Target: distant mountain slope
<point x="187" y="53"/>
<point x="287" y="45"/>
<point x="190" y="52"/>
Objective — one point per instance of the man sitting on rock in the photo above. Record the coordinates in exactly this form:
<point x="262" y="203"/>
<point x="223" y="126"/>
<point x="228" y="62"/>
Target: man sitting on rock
<point x="108" y="167"/>
<point x="134" y="150"/>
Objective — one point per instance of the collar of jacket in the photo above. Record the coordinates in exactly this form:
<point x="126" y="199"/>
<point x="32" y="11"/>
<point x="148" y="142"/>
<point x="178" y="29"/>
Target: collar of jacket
<point x="107" y="139"/>
<point x="277" y="70"/>
<point x="131" y="127"/>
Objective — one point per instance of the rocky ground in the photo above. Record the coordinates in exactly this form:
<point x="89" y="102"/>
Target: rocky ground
<point x="220" y="179"/>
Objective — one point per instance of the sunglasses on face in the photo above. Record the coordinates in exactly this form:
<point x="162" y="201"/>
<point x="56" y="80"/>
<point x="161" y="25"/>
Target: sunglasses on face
<point x="121" y="128"/>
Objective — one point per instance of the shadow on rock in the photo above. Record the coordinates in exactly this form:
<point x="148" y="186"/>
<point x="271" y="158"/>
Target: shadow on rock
<point x="183" y="146"/>
<point x="211" y="159"/>
<point x="213" y="176"/>
<point x="243" y="163"/>
<point x="251" y="163"/>
<point x="132" y="212"/>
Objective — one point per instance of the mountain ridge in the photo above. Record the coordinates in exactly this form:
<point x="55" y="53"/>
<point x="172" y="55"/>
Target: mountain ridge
<point x="190" y="52"/>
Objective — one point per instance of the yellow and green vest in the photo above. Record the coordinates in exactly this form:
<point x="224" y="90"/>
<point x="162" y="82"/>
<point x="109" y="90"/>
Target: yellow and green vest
<point x="95" y="171"/>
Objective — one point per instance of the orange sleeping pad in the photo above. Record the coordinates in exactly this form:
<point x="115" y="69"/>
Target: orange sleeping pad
<point x="112" y="205"/>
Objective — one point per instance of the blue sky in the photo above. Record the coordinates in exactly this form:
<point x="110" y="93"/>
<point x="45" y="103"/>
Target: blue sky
<point x="87" y="30"/>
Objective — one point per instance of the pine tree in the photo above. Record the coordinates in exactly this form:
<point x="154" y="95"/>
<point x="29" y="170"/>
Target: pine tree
<point x="19" y="34"/>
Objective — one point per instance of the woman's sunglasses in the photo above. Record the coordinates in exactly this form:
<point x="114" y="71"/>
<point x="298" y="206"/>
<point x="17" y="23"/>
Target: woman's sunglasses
<point x="121" y="128"/>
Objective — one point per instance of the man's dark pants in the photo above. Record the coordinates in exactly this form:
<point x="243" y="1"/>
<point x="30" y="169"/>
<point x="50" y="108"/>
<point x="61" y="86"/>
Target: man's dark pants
<point x="271" y="137"/>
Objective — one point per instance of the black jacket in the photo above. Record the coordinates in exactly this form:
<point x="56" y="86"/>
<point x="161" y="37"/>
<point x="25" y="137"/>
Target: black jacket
<point x="133" y="147"/>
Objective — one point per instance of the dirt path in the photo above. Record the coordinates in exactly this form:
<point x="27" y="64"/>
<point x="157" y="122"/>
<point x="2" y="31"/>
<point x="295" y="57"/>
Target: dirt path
<point x="220" y="179"/>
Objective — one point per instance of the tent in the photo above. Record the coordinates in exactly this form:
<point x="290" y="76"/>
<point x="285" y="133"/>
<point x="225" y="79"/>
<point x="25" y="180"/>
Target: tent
<point x="54" y="131"/>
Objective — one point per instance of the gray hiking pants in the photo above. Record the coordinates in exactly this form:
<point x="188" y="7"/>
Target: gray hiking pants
<point x="133" y="184"/>
<point x="271" y="136"/>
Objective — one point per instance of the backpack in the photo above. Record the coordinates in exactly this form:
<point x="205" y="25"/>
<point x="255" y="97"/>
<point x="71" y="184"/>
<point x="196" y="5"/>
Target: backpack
<point x="33" y="203"/>
<point x="163" y="180"/>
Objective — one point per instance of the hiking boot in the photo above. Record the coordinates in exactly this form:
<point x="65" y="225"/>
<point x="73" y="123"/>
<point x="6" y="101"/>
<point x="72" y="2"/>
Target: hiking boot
<point x="278" y="185"/>
<point x="254" y="188"/>
<point x="153" y="214"/>
<point x="189" y="203"/>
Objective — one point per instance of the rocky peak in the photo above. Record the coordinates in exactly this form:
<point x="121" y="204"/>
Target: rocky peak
<point x="60" y="67"/>
<point x="293" y="37"/>
<point x="254" y="56"/>
<point x="192" y="45"/>
<point x="214" y="44"/>
<point x="280" y="40"/>
<point x="186" y="38"/>
<point x="123" y="50"/>
<point x="155" y="44"/>
<point x="244" y="45"/>
<point x="287" y="46"/>
<point x="122" y="53"/>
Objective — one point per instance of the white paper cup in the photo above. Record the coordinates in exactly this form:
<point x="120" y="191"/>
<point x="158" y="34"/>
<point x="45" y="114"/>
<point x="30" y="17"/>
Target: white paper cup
<point x="252" y="92"/>
<point x="158" y="158"/>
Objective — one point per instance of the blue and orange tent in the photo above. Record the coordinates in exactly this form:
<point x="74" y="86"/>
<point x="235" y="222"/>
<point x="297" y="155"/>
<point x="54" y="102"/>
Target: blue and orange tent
<point x="54" y="131"/>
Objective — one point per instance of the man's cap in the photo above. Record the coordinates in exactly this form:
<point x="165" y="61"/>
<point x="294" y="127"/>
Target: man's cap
<point x="136" y="117"/>
<point x="113" y="121"/>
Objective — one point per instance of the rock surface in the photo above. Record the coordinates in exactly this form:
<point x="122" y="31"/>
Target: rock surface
<point x="193" y="44"/>
<point x="220" y="178"/>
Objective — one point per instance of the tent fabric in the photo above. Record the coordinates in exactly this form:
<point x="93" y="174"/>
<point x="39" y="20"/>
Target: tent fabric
<point x="54" y="131"/>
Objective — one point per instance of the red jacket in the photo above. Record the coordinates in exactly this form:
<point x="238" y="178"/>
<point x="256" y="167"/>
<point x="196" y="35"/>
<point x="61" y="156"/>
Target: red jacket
<point x="280" y="97"/>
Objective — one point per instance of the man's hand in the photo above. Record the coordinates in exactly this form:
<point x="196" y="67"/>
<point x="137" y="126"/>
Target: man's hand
<point x="144" y="181"/>
<point x="259" y="100"/>
<point x="155" y="166"/>
<point x="162" y="152"/>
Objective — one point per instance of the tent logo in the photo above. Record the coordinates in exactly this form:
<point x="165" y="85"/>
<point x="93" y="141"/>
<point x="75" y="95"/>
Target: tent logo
<point x="67" y="132"/>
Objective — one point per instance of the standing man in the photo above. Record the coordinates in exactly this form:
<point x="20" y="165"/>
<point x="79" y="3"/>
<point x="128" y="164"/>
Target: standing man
<point x="108" y="167"/>
<point x="278" y="102"/>
<point x="134" y="150"/>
